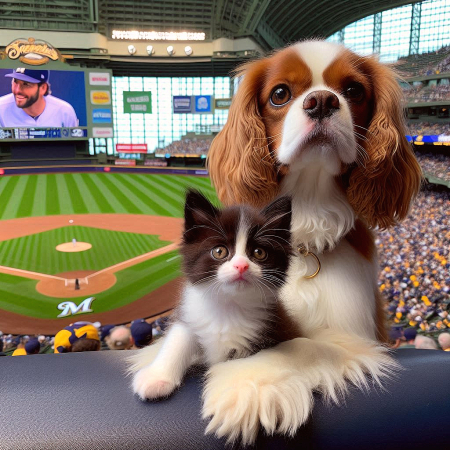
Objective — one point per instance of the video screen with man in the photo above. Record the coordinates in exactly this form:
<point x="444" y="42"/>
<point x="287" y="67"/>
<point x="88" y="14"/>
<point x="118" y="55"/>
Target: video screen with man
<point x="41" y="98"/>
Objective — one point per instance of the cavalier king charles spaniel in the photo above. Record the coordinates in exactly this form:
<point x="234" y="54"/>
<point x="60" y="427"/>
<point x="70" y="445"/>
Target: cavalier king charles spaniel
<point x="319" y="123"/>
<point x="325" y="126"/>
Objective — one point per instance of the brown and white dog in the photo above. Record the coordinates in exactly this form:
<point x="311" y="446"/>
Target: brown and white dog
<point x="325" y="126"/>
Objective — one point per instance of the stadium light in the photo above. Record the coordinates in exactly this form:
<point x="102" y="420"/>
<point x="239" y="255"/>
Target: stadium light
<point x="188" y="50"/>
<point x="170" y="50"/>
<point x="150" y="50"/>
<point x="131" y="49"/>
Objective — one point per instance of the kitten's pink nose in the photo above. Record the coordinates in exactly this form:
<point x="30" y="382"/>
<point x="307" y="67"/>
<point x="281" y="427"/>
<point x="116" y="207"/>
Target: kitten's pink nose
<point x="240" y="264"/>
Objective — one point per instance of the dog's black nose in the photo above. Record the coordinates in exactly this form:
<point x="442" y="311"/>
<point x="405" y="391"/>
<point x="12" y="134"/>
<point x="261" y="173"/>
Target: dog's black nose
<point x="320" y="104"/>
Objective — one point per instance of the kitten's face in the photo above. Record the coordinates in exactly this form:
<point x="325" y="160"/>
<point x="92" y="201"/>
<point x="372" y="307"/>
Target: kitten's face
<point x="237" y="247"/>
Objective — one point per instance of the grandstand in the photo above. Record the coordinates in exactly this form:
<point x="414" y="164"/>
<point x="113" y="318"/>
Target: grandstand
<point x="122" y="52"/>
<point x="151" y="83"/>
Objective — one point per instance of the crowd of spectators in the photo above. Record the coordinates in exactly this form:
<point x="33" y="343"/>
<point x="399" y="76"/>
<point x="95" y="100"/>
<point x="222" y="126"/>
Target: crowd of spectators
<point x="437" y="165"/>
<point x="436" y="93"/>
<point x="86" y="336"/>
<point x="428" y="129"/>
<point x="415" y="262"/>
<point x="425" y="64"/>
<point x="187" y="147"/>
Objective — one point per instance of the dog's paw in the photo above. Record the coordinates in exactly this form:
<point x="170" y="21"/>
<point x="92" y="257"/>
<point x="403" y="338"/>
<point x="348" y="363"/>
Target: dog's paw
<point x="148" y="384"/>
<point x="238" y="398"/>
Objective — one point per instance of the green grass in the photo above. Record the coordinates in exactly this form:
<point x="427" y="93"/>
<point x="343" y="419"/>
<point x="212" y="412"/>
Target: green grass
<point x="108" y="248"/>
<point x="89" y="193"/>
<point x="19" y="295"/>
<point x="97" y="193"/>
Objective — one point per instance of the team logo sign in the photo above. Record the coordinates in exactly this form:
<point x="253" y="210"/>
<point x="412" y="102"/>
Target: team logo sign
<point x="32" y="51"/>
<point x="70" y="308"/>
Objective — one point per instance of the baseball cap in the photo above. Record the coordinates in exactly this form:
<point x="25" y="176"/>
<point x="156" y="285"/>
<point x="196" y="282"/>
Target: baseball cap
<point x="410" y="333"/>
<point x="141" y="331"/>
<point x="32" y="346"/>
<point x="30" y="75"/>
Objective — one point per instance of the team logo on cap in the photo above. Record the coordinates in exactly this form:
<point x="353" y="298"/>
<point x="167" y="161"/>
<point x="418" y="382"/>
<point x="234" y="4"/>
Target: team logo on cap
<point x="32" y="51"/>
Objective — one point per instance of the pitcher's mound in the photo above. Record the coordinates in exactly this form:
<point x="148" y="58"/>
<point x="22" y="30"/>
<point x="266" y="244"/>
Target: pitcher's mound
<point x="69" y="247"/>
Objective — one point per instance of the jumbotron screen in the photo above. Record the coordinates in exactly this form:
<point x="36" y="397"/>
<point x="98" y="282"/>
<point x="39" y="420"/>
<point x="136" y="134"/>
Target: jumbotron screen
<point x="42" y="103"/>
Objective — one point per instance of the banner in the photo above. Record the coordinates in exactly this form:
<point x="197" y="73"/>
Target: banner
<point x="125" y="162"/>
<point x="222" y="103"/>
<point x="435" y="139"/>
<point x="202" y="104"/>
<point x="131" y="148"/>
<point x="182" y="104"/>
<point x="137" y="102"/>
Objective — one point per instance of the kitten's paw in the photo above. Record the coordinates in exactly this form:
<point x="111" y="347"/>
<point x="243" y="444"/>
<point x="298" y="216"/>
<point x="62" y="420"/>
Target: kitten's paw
<point x="148" y="384"/>
<point x="238" y="400"/>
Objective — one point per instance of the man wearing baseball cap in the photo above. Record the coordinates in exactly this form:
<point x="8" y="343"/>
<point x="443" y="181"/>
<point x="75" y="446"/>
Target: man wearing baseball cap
<point x="30" y="103"/>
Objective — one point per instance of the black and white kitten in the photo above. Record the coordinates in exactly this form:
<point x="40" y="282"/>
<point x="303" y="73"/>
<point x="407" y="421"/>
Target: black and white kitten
<point x="235" y="260"/>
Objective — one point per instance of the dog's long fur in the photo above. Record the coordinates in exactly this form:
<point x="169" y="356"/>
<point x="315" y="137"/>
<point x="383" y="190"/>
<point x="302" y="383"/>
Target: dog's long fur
<point x="348" y="168"/>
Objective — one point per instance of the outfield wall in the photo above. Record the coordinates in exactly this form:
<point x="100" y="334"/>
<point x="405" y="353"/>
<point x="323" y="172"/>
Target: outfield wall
<point x="102" y="168"/>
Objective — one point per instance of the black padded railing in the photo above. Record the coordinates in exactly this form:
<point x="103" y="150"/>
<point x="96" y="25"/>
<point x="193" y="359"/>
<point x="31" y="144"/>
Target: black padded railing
<point x="83" y="401"/>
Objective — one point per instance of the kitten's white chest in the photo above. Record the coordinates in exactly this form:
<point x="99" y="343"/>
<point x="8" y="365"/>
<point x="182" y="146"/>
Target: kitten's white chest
<point x="225" y="325"/>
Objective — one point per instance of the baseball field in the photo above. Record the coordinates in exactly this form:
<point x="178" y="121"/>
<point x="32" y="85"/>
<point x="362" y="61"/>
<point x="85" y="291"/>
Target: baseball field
<point x="108" y="237"/>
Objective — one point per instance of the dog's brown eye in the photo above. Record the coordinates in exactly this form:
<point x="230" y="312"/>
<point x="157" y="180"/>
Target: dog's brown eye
<point x="259" y="254"/>
<point x="354" y="92"/>
<point x="219" y="253"/>
<point x="280" y="95"/>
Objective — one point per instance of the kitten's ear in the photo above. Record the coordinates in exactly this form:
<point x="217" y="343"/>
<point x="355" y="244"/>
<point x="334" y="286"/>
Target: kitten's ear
<point x="278" y="213"/>
<point x="197" y="209"/>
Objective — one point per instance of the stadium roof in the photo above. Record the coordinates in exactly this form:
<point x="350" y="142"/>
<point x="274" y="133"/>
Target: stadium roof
<point x="276" y="23"/>
<point x="268" y="23"/>
<point x="272" y="23"/>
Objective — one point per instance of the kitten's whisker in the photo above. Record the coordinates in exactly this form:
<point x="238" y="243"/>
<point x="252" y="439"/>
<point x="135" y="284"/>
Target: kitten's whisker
<point x="273" y="219"/>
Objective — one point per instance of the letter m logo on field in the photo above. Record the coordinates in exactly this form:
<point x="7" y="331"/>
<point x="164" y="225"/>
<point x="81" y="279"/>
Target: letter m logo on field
<point x="70" y="308"/>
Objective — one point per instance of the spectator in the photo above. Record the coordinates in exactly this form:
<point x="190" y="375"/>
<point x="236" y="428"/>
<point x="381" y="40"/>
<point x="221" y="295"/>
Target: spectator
<point x="141" y="331"/>
<point x="444" y="341"/>
<point x="19" y="341"/>
<point x="67" y="337"/>
<point x="410" y="335"/>
<point x="105" y="331"/>
<point x="32" y="347"/>
<point x="86" y="345"/>
<point x="395" y="336"/>
<point x="1" y="347"/>
<point x="425" y="343"/>
<point x="120" y="338"/>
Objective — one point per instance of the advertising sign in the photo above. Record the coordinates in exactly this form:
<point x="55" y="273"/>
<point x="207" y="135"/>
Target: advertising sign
<point x="222" y="103"/>
<point x="137" y="102"/>
<point x="99" y="79"/>
<point x="100" y="97"/>
<point x="202" y="104"/>
<point x="102" y="132"/>
<point x="182" y="104"/>
<point x="131" y="148"/>
<point x="101" y="115"/>
<point x="125" y="162"/>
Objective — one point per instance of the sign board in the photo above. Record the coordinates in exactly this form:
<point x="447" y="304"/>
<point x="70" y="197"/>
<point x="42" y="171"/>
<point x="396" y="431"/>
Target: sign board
<point x="137" y="102"/>
<point x="182" y="104"/>
<point x="131" y="148"/>
<point x="222" y="103"/>
<point x="202" y="104"/>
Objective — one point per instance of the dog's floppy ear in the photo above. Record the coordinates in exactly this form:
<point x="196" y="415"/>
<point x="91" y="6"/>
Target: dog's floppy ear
<point x="381" y="191"/>
<point x="240" y="165"/>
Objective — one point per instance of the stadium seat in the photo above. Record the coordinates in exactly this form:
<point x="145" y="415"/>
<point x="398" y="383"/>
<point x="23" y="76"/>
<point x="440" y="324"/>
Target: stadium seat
<point x="83" y="401"/>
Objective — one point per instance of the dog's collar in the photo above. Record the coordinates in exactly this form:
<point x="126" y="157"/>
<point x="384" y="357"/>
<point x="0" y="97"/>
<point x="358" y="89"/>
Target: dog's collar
<point x="305" y="253"/>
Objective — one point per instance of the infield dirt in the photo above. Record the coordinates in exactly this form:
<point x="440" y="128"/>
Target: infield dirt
<point x="159" y="301"/>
